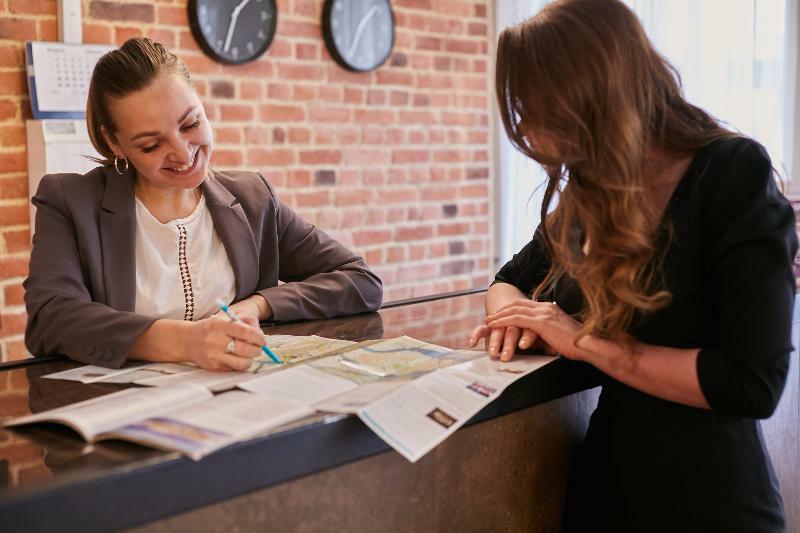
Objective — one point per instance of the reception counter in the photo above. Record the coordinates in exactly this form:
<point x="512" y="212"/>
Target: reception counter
<point x="505" y="471"/>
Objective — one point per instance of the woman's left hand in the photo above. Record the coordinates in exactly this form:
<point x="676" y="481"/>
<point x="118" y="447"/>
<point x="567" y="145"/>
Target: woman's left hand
<point x="552" y="326"/>
<point x="255" y="306"/>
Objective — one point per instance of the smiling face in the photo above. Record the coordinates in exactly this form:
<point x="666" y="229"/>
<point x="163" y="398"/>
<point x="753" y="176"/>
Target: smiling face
<point x="163" y="131"/>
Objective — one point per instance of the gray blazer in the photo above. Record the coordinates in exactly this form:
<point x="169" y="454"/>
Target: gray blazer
<point x="80" y="293"/>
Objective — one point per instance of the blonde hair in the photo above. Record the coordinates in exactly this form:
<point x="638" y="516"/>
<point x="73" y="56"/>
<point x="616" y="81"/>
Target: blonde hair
<point x="119" y="73"/>
<point x="584" y="71"/>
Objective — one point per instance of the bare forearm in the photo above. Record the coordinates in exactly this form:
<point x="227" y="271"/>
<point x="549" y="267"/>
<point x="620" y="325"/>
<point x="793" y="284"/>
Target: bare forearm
<point x="161" y="342"/>
<point x="499" y="295"/>
<point x="667" y="373"/>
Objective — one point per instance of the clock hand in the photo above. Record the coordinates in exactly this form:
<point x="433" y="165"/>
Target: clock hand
<point x="362" y="25"/>
<point x="232" y="25"/>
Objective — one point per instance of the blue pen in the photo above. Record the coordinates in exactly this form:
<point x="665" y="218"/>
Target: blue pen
<point x="228" y="311"/>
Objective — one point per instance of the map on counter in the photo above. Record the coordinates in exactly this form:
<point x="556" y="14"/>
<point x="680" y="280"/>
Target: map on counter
<point x="394" y="357"/>
<point x="295" y="349"/>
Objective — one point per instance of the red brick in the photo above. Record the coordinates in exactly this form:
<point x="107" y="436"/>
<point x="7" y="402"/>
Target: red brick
<point x="16" y="351"/>
<point x="13" y="294"/>
<point x="14" y="187"/>
<point x="12" y="81"/>
<point x="250" y="90"/>
<point x="413" y="4"/>
<point x="306" y="51"/>
<point x="14" y="214"/>
<point x="96" y="33"/>
<point x="118" y="11"/>
<point x="303" y="93"/>
<point x="417" y="272"/>
<point x="416" y="233"/>
<point x="297" y="28"/>
<point x="228" y="135"/>
<point x="279" y="48"/>
<point x="337" y="115"/>
<point x="410" y="156"/>
<point x="12" y="324"/>
<point x="331" y="94"/>
<point x="374" y="116"/>
<point x="279" y="91"/>
<point x="312" y="199"/>
<point x="17" y="28"/>
<point x="281" y="113"/>
<point x="279" y="157"/>
<point x="316" y="157"/>
<point x="227" y="158"/>
<point x="17" y="240"/>
<point x="428" y="43"/>
<point x="360" y="156"/>
<point x="478" y="28"/>
<point x="236" y="112"/>
<point x="12" y="136"/>
<point x="8" y="110"/>
<point x="173" y="16"/>
<point x="356" y="197"/>
<point x="299" y="135"/>
<point x="32" y="7"/>
<point x="299" y="178"/>
<point x="390" y="77"/>
<point x="301" y="72"/>
<point x="11" y="55"/>
<point x="164" y="36"/>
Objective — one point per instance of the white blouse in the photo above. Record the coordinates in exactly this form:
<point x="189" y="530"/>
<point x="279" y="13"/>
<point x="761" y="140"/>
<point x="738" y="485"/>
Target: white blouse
<point x="181" y="266"/>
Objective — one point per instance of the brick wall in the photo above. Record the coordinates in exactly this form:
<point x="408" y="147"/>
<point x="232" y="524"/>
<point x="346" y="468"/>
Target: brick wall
<point x="395" y="163"/>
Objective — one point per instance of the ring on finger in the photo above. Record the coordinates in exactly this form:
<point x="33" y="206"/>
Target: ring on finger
<point x="231" y="346"/>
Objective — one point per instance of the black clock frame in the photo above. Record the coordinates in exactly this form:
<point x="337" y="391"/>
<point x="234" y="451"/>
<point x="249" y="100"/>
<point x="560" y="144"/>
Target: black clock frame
<point x="197" y="32"/>
<point x="327" y="34"/>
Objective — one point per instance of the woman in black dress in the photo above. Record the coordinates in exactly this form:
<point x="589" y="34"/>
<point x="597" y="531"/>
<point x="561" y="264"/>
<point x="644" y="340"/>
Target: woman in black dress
<point x="665" y="265"/>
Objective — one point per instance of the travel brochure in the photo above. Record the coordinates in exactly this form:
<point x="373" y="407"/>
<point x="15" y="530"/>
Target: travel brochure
<point x="411" y="393"/>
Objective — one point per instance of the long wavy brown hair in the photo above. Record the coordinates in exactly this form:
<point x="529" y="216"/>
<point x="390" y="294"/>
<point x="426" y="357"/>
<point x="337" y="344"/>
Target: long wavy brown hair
<point x="585" y="72"/>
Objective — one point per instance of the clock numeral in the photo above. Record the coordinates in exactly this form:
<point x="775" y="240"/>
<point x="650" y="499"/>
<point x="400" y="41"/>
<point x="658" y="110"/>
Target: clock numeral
<point x="250" y="48"/>
<point x="264" y="15"/>
<point x="262" y="35"/>
<point x="219" y="45"/>
<point x="235" y="52"/>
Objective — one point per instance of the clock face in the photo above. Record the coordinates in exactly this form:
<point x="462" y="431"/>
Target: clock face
<point x="359" y="33"/>
<point x="233" y="31"/>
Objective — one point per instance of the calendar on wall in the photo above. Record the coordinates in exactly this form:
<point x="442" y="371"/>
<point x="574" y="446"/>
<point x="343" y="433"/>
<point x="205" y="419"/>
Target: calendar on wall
<point x="58" y="77"/>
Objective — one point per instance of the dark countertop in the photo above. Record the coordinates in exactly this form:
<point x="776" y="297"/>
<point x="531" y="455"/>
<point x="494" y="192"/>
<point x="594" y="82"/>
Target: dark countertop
<point x="51" y="479"/>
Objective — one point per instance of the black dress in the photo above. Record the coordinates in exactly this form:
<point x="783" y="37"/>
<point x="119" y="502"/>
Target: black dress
<point x="652" y="465"/>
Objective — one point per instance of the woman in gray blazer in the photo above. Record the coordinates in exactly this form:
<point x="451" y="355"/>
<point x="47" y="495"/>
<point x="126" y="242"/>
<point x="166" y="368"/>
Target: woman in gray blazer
<point x="128" y="259"/>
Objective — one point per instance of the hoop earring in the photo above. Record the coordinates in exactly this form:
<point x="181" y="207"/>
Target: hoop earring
<point x="116" y="165"/>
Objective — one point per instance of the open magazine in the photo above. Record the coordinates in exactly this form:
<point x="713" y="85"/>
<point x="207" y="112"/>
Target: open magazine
<point x="183" y="417"/>
<point x="411" y="393"/>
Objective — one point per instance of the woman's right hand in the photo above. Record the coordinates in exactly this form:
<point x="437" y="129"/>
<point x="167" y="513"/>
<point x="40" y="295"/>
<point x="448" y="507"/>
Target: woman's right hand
<point x="502" y="342"/>
<point x="219" y="344"/>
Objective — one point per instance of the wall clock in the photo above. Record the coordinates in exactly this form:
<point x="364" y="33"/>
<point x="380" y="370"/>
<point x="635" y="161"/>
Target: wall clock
<point x="233" y="31"/>
<point x="359" y="33"/>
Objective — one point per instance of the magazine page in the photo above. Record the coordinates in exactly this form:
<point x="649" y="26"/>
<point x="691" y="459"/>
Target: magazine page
<point x="104" y="413"/>
<point x="351" y="401"/>
<point x="127" y="374"/>
<point x="213" y="381"/>
<point x="416" y="417"/>
<point x="303" y="384"/>
<point x="92" y="373"/>
<point x="199" y="429"/>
